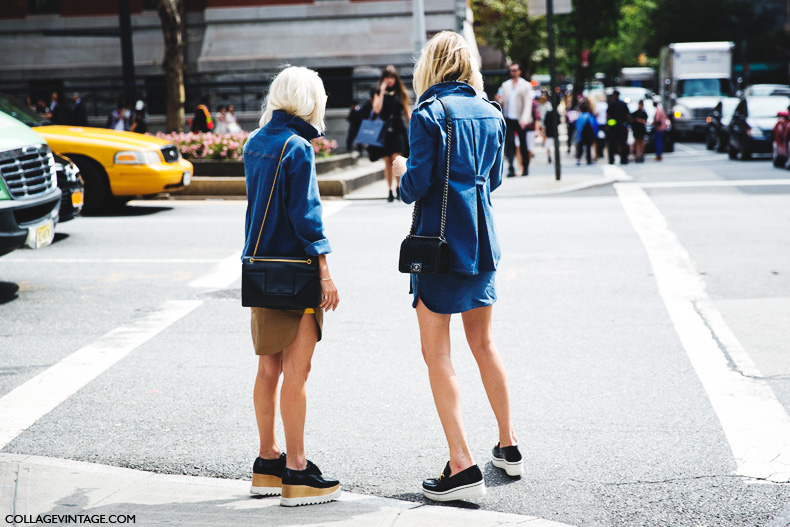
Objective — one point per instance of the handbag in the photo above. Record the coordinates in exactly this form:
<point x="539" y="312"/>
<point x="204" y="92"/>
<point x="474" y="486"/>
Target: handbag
<point x="371" y="132"/>
<point x="279" y="282"/>
<point x="429" y="254"/>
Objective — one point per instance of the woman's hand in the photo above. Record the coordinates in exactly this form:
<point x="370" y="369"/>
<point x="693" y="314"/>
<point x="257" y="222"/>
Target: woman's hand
<point x="330" y="298"/>
<point x="398" y="166"/>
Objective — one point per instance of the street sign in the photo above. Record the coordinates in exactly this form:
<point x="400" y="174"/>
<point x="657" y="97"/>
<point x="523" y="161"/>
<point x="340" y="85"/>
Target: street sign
<point x="538" y="7"/>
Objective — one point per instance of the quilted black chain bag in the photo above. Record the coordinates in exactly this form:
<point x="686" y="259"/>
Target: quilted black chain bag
<point x="429" y="254"/>
<point x="279" y="282"/>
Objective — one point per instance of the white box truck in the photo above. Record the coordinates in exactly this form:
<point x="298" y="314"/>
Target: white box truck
<point x="693" y="78"/>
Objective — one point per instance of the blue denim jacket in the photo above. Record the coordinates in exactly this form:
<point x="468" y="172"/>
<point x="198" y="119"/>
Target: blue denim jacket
<point x="475" y="171"/>
<point x="293" y="224"/>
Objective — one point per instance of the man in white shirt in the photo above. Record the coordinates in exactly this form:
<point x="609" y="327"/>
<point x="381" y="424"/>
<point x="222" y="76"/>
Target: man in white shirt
<point x="515" y="96"/>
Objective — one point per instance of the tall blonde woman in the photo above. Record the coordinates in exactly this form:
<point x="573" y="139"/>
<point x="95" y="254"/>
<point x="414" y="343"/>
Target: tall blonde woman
<point x="284" y="340"/>
<point x="447" y="71"/>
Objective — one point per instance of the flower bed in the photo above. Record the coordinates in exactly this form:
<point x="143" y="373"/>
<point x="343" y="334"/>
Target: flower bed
<point x="227" y="146"/>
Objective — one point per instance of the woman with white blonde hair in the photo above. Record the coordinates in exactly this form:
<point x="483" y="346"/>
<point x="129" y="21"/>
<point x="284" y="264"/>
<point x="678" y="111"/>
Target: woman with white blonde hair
<point x="279" y="166"/>
<point x="448" y="83"/>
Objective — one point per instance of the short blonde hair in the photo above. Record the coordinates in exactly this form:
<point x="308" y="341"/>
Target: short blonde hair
<point x="299" y="92"/>
<point x="446" y="57"/>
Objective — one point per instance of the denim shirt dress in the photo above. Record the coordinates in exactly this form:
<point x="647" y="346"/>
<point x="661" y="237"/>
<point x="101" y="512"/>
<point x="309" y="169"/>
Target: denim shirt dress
<point x="476" y="164"/>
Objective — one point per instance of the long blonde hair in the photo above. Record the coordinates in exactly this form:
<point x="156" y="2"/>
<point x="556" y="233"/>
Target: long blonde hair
<point x="297" y="91"/>
<point x="446" y="57"/>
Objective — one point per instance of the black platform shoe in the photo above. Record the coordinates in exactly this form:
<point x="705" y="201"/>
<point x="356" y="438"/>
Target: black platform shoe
<point x="267" y="476"/>
<point x="509" y="459"/>
<point x="307" y="487"/>
<point x="466" y="485"/>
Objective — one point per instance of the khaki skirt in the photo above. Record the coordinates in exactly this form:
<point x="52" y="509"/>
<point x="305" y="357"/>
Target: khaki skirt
<point x="273" y="330"/>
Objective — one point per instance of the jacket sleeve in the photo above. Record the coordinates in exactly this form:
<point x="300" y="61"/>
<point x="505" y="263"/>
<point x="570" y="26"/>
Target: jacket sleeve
<point x="495" y="176"/>
<point x="418" y="177"/>
<point x="302" y="201"/>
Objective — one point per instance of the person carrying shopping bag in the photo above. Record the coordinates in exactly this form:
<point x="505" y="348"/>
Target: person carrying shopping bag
<point x="284" y="219"/>
<point x="447" y="81"/>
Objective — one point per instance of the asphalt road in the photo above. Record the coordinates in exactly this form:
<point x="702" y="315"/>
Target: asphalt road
<point x="617" y="421"/>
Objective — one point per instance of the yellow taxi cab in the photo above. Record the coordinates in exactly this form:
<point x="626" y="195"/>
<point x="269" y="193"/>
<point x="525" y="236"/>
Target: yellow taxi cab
<point x="115" y="166"/>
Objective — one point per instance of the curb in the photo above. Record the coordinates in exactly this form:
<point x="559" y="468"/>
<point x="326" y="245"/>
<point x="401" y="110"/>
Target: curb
<point x="41" y="485"/>
<point x="335" y="183"/>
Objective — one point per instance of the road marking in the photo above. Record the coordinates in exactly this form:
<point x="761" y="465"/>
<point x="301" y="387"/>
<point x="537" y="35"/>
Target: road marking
<point x="26" y="404"/>
<point x="616" y="173"/>
<point x="718" y="183"/>
<point x="228" y="270"/>
<point x="689" y="149"/>
<point x="112" y="260"/>
<point x="755" y="423"/>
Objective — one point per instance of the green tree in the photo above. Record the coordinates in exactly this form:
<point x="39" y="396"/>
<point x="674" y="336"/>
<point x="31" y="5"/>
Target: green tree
<point x="636" y="34"/>
<point x="507" y="26"/>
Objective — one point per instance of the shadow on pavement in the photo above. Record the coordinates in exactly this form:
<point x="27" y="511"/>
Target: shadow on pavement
<point x="59" y="236"/>
<point x="129" y="211"/>
<point x="8" y="292"/>
<point x="417" y="497"/>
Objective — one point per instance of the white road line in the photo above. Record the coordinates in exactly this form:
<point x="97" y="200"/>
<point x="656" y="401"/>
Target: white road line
<point x="26" y="404"/>
<point x="616" y="173"/>
<point x="111" y="260"/>
<point x="718" y="183"/>
<point x="755" y="423"/>
<point x="228" y="270"/>
<point x="689" y="149"/>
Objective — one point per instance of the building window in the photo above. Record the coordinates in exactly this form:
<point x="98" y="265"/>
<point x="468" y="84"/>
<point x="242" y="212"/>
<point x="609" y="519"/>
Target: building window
<point x="43" y="7"/>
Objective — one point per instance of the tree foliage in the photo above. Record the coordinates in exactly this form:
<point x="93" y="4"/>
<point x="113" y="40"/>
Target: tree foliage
<point x="507" y="26"/>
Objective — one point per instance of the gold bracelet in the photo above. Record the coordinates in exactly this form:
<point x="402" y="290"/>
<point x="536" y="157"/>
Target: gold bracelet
<point x="325" y="279"/>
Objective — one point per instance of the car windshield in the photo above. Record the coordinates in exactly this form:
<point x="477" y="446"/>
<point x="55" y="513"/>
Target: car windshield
<point x="767" y="107"/>
<point x="767" y="89"/>
<point x="19" y="111"/>
<point x="702" y="87"/>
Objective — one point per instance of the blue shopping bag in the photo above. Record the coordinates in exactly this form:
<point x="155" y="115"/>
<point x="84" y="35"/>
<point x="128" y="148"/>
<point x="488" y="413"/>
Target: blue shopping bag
<point x="371" y="132"/>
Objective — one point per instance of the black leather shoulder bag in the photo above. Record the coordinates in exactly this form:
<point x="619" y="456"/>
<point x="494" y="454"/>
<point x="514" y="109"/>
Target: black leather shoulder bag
<point x="279" y="282"/>
<point x="429" y="254"/>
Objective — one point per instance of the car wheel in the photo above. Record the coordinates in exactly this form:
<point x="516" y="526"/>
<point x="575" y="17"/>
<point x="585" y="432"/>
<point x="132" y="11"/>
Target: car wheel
<point x="721" y="146"/>
<point x="97" y="188"/>
<point x="710" y="141"/>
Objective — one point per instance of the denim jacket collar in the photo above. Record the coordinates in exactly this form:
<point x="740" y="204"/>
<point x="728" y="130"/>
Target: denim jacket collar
<point x="443" y="89"/>
<point x="281" y="119"/>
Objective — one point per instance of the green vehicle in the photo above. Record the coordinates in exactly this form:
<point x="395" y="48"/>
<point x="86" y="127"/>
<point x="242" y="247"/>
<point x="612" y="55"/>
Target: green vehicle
<point x="29" y="193"/>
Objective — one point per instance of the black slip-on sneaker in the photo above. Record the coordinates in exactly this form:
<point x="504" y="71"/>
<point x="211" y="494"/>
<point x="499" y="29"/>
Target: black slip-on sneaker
<point x="466" y="485"/>
<point x="267" y="476"/>
<point x="509" y="459"/>
<point x="307" y="487"/>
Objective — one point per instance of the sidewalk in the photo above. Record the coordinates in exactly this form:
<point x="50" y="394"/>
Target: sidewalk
<point x="32" y="486"/>
<point x="541" y="180"/>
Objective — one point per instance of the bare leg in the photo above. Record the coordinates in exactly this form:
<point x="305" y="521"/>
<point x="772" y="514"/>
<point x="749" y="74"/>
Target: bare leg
<point x="293" y="401"/>
<point x="435" y="340"/>
<point x="479" y="335"/>
<point x="265" y="400"/>
<point x="395" y="178"/>
<point x="388" y="175"/>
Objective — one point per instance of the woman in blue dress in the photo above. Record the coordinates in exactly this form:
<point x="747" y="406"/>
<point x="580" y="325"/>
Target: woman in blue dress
<point x="447" y="71"/>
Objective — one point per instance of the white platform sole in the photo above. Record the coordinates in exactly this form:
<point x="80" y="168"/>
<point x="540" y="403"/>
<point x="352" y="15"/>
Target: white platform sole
<point x="266" y="491"/>
<point x="467" y="492"/>
<point x="310" y="500"/>
<point x="513" y="469"/>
